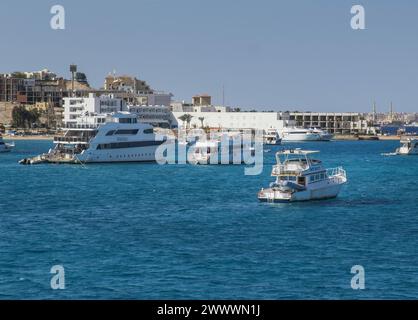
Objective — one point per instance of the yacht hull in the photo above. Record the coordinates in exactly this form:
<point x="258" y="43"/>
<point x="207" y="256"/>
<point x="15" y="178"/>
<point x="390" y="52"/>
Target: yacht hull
<point x="322" y="192"/>
<point x="142" y="154"/>
<point x="301" y="137"/>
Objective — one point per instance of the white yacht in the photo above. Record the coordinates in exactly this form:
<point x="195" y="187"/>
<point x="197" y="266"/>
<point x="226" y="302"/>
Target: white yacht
<point x="5" y="146"/>
<point x="301" y="178"/>
<point x="409" y="146"/>
<point x="271" y="137"/>
<point x="216" y="151"/>
<point x="299" y="134"/>
<point x="323" y="134"/>
<point x="118" y="137"/>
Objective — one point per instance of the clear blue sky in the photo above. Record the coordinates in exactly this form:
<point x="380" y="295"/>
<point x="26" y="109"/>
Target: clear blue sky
<point x="297" y="55"/>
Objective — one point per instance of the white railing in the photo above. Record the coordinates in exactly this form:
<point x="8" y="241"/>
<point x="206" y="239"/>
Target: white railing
<point x="81" y="126"/>
<point x="288" y="168"/>
<point x="337" y="173"/>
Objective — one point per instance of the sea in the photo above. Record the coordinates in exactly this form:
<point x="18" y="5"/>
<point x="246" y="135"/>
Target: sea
<point x="149" y="231"/>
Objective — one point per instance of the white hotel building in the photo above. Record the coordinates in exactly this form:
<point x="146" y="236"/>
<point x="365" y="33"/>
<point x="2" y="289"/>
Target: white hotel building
<point x="223" y="117"/>
<point x="77" y="109"/>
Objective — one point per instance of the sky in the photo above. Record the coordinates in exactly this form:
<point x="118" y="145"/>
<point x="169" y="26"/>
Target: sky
<point x="266" y="54"/>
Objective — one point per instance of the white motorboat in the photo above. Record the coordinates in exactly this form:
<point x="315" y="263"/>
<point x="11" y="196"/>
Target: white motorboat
<point x="5" y="146"/>
<point x="323" y="134"/>
<point x="301" y="178"/>
<point x="271" y="137"/>
<point x="294" y="134"/>
<point x="409" y="146"/>
<point x="225" y="149"/>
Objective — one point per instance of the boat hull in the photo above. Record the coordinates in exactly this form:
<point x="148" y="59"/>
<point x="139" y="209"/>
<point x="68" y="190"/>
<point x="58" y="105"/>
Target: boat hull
<point x="301" y="137"/>
<point x="323" y="191"/>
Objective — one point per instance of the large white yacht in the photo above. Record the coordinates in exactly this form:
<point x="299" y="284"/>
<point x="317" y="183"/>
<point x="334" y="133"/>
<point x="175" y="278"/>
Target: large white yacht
<point x="117" y="137"/>
<point x="301" y="178"/>
<point x="299" y="134"/>
<point x="409" y="146"/>
<point x="5" y="146"/>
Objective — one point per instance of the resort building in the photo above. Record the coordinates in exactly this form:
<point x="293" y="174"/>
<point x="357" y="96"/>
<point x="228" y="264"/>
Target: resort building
<point x="75" y="107"/>
<point x="235" y="120"/>
<point x="227" y="118"/>
<point x="158" y="116"/>
<point x="336" y="123"/>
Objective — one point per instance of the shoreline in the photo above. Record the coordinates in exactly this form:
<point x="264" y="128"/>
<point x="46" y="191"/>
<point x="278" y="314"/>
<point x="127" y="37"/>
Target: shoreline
<point x="17" y="138"/>
<point x="336" y="138"/>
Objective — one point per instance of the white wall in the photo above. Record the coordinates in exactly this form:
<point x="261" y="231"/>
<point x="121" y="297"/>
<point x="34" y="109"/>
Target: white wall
<point x="235" y="120"/>
<point x="75" y="107"/>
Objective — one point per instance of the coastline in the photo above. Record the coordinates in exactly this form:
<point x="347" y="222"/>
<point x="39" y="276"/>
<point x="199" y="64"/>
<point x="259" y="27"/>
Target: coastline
<point x="337" y="137"/>
<point x="36" y="137"/>
<point x="365" y="138"/>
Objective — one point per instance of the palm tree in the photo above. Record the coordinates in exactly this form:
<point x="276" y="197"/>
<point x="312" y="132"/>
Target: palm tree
<point x="201" y="120"/>
<point x="186" y="118"/>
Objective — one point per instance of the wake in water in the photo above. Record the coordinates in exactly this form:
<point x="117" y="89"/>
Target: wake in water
<point x="389" y="154"/>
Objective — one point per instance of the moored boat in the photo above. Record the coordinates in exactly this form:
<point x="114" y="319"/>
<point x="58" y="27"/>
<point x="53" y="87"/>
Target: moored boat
<point x="117" y="137"/>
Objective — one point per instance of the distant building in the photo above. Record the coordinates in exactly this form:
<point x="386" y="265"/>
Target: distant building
<point x="202" y="100"/>
<point x="42" y="86"/>
<point x="76" y="107"/>
<point x="154" y="99"/>
<point x="333" y="122"/>
<point x="158" y="116"/>
<point x="127" y="84"/>
<point x="235" y="120"/>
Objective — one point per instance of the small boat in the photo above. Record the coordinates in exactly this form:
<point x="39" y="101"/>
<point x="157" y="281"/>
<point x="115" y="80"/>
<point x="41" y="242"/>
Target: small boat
<point x="323" y="134"/>
<point x="409" y="146"/>
<point x="228" y="150"/>
<point x="271" y="137"/>
<point x="301" y="178"/>
<point x="5" y="146"/>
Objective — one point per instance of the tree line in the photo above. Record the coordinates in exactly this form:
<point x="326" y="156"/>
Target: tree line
<point x="23" y="118"/>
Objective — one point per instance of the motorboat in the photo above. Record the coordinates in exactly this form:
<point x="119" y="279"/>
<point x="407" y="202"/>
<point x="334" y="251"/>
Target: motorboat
<point x="299" y="177"/>
<point x="5" y="146"/>
<point x="409" y="146"/>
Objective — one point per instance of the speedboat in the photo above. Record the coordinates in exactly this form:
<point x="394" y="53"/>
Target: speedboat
<point x="271" y="137"/>
<point x="301" y="178"/>
<point x="409" y="146"/>
<point x="5" y="146"/>
<point x="291" y="134"/>
<point x="116" y="137"/>
<point x="323" y="134"/>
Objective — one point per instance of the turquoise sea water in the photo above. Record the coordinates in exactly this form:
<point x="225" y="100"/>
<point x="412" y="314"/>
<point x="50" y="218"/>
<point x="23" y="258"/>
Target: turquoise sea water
<point x="145" y="231"/>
